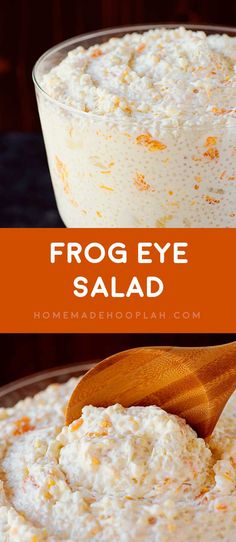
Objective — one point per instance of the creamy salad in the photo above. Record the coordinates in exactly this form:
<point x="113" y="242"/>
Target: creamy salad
<point x="115" y="474"/>
<point x="140" y="130"/>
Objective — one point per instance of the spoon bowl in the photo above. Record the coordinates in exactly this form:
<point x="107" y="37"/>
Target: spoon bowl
<point x="193" y="383"/>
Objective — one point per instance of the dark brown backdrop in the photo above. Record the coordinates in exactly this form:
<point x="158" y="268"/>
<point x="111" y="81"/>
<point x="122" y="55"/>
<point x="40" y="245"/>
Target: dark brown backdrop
<point x="28" y="28"/>
<point x="22" y="355"/>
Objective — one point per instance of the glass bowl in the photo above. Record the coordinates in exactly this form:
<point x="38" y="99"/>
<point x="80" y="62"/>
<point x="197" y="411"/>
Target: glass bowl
<point x="103" y="178"/>
<point x="29" y="386"/>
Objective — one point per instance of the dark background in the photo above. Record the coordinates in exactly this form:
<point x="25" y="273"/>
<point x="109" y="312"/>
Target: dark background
<point x="27" y="29"/>
<point x="22" y="355"/>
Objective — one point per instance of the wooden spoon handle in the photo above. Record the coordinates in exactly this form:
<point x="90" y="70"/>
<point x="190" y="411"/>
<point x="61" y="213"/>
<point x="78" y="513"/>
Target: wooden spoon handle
<point x="194" y="383"/>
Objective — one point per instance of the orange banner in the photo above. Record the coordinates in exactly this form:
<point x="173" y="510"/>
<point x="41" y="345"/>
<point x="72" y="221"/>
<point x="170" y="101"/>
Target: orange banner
<point x="118" y="280"/>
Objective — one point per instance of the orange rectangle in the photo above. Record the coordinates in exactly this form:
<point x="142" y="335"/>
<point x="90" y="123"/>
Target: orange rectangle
<point x="37" y="295"/>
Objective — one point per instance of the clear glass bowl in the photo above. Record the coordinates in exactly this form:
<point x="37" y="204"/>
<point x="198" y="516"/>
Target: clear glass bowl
<point x="102" y="178"/>
<point x="29" y="386"/>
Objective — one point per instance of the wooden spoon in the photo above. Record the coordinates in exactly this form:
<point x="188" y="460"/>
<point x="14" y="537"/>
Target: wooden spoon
<point x="194" y="383"/>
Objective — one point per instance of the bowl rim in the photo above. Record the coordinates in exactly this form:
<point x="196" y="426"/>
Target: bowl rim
<point x="110" y="32"/>
<point x="78" y="367"/>
<point x="40" y="376"/>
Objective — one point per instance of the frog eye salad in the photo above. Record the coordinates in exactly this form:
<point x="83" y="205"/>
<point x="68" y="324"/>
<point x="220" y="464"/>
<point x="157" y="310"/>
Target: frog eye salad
<point x="140" y="130"/>
<point x="115" y="474"/>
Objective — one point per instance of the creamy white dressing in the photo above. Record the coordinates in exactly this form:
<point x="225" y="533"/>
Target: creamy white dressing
<point x="174" y="77"/>
<point x="140" y="131"/>
<point x="126" y="475"/>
